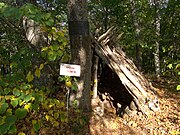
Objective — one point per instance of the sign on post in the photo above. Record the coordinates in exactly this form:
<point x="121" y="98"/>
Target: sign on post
<point x="70" y="70"/>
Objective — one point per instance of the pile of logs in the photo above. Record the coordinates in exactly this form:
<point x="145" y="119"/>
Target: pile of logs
<point x="144" y="98"/>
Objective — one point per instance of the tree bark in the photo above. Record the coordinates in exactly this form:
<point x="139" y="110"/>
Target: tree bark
<point x="137" y="35"/>
<point x="155" y="4"/>
<point x="157" y="28"/>
<point x="80" y="50"/>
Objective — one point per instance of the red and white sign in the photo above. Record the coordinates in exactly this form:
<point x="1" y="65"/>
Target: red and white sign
<point x="70" y="70"/>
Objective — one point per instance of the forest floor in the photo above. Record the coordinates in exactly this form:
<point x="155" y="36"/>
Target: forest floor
<point x="164" y="122"/>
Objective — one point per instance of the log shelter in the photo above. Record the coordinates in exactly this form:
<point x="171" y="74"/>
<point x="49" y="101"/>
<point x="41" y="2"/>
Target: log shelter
<point x="120" y="78"/>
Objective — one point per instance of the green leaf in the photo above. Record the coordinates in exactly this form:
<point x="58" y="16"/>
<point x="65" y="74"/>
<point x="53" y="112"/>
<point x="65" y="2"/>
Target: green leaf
<point x="16" y="92"/>
<point x="29" y="76"/>
<point x="41" y="66"/>
<point x="55" y="47"/>
<point x="9" y="112"/>
<point x="14" y="102"/>
<point x="10" y="119"/>
<point x="60" y="78"/>
<point x="52" y="56"/>
<point x="13" y="129"/>
<point x="27" y="106"/>
<point x="74" y="87"/>
<point x="44" y="49"/>
<point x="7" y="91"/>
<point x="170" y="66"/>
<point x="65" y="58"/>
<point x="26" y="86"/>
<point x="63" y="118"/>
<point x="2" y="120"/>
<point x="3" y="108"/>
<point x="60" y="53"/>
<point x="50" y="22"/>
<point x="4" y="128"/>
<point x="21" y="133"/>
<point x="56" y="115"/>
<point x="177" y="66"/>
<point x="35" y="106"/>
<point x="39" y="98"/>
<point x="2" y="5"/>
<point x="38" y="72"/>
<point x="2" y="83"/>
<point x="22" y="96"/>
<point x="28" y="97"/>
<point x="178" y="87"/>
<point x="21" y="113"/>
<point x="36" y="126"/>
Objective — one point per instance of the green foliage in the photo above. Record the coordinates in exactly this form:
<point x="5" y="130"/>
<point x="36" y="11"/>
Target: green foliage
<point x="178" y="87"/>
<point x="36" y="125"/>
<point x="70" y="82"/>
<point x="28" y="90"/>
<point x="21" y="113"/>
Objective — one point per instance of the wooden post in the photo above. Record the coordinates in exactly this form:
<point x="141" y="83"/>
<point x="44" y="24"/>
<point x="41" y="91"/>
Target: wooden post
<point x="94" y="75"/>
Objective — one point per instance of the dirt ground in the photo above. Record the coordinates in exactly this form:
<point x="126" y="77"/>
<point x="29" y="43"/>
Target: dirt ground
<point x="164" y="122"/>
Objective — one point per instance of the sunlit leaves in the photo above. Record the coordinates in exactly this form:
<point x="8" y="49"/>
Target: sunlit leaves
<point x="34" y="13"/>
<point x="52" y="55"/>
<point x="178" y="87"/>
<point x="29" y="76"/>
<point x="27" y="106"/>
<point x="47" y="117"/>
<point x="25" y="66"/>
<point x="38" y="72"/>
<point x="2" y="5"/>
<point x="21" y="133"/>
<point x="170" y="66"/>
<point x="68" y="84"/>
<point x="41" y="67"/>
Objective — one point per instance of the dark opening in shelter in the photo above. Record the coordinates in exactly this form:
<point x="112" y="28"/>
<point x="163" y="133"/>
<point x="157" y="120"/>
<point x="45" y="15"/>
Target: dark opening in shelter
<point x="110" y="83"/>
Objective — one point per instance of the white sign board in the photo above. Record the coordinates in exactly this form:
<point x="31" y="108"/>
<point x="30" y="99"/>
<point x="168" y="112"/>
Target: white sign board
<point x="70" y="70"/>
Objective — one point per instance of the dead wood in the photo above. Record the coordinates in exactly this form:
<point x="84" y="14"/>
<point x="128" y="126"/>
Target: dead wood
<point x="135" y="83"/>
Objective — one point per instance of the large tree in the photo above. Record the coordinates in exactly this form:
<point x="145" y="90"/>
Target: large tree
<point x="80" y="50"/>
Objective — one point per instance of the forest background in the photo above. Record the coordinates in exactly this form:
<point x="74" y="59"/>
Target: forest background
<point x="35" y="40"/>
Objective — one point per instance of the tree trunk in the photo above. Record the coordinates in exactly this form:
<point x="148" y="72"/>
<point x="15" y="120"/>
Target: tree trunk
<point x="80" y="50"/>
<point x="156" y="5"/>
<point x="137" y="36"/>
<point x="156" y="53"/>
